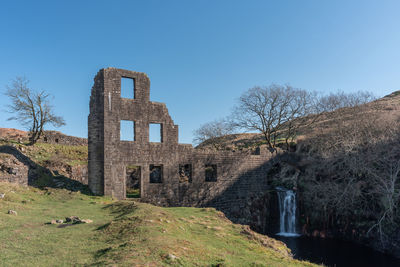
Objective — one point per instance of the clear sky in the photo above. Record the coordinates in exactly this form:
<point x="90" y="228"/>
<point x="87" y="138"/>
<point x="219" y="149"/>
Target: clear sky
<point x="200" y="55"/>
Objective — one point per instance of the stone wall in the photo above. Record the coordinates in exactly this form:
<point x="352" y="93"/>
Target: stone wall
<point x="78" y="173"/>
<point x="51" y="137"/>
<point x="55" y="137"/>
<point x="240" y="179"/>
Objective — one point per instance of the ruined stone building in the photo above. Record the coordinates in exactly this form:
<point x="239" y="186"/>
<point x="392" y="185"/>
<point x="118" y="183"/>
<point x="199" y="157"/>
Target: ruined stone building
<point x="166" y="172"/>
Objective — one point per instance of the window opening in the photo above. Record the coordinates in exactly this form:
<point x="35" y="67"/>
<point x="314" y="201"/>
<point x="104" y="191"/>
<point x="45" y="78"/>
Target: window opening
<point x="256" y="151"/>
<point x="155" y="132"/>
<point x="211" y="172"/>
<point x="185" y="173"/>
<point x="127" y="130"/>
<point x="156" y="173"/>
<point x="127" y="88"/>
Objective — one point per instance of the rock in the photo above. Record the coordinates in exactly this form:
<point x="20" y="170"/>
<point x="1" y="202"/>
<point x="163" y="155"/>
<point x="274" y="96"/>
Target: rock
<point x="56" y="221"/>
<point x="73" y="219"/>
<point x="12" y="171"/>
<point x="2" y="195"/>
<point x="12" y="212"/>
<point x="171" y="257"/>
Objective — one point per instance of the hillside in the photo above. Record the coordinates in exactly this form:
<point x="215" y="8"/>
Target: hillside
<point x="50" y="137"/>
<point x="45" y="163"/>
<point x="126" y="233"/>
<point x="14" y="134"/>
<point x="386" y="108"/>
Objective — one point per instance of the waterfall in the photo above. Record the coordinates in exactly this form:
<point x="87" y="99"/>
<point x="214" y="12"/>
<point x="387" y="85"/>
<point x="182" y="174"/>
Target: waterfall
<point x="287" y="212"/>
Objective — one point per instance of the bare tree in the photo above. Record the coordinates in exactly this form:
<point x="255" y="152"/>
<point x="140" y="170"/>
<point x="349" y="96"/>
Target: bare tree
<point x="274" y="111"/>
<point x="212" y="132"/>
<point x="337" y="100"/>
<point x="302" y="113"/>
<point x="32" y="109"/>
<point x="354" y="178"/>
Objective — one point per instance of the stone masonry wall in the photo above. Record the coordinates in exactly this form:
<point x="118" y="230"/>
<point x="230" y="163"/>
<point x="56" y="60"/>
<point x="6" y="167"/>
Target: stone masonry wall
<point x="54" y="137"/>
<point x="241" y="177"/>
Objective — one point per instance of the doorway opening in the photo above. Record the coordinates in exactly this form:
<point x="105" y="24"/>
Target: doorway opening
<point x="133" y="177"/>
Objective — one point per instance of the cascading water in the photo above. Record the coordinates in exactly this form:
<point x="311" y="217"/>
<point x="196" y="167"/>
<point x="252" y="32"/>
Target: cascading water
<point x="327" y="251"/>
<point x="287" y="212"/>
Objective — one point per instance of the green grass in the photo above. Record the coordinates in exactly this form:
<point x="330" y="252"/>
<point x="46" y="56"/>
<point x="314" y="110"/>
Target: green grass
<point x="28" y="240"/>
<point x="132" y="193"/>
<point x="72" y="155"/>
<point x="42" y="153"/>
<point x="124" y="233"/>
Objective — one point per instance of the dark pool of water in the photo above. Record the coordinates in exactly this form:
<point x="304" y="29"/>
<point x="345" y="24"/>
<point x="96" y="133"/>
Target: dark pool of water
<point x="332" y="252"/>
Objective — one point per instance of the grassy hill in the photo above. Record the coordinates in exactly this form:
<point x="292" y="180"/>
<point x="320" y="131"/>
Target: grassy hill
<point x="52" y="165"/>
<point x="124" y="233"/>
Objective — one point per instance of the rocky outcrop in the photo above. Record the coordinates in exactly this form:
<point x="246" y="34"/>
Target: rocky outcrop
<point x="17" y="167"/>
<point x="12" y="170"/>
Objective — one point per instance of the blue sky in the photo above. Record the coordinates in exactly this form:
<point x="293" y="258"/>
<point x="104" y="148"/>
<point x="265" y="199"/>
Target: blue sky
<point x="199" y="55"/>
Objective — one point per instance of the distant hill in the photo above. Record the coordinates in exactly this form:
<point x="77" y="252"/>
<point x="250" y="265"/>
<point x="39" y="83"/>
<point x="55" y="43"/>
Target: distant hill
<point x="51" y="137"/>
<point x="13" y="134"/>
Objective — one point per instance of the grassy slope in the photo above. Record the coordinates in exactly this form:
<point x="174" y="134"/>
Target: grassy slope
<point x="125" y="233"/>
<point x="44" y="153"/>
<point x="72" y="155"/>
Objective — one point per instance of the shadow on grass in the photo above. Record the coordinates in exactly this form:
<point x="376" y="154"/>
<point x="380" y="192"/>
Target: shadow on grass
<point x="103" y="226"/>
<point x="41" y="177"/>
<point x="121" y="209"/>
<point x="118" y="229"/>
<point x="102" y="252"/>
